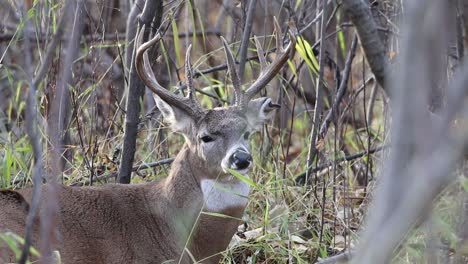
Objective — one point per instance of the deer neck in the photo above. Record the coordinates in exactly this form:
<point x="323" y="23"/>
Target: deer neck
<point x="191" y="184"/>
<point x="182" y="188"/>
<point x="191" y="190"/>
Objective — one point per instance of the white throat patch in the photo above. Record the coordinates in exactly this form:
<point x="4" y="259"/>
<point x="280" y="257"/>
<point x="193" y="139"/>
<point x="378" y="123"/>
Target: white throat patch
<point x="222" y="195"/>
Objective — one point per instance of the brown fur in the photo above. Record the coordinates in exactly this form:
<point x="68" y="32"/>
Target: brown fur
<point x="140" y="223"/>
<point x="162" y="221"/>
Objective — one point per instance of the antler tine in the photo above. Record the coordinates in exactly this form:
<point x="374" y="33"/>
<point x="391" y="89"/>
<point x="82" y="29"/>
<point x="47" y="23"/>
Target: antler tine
<point x="142" y="47"/>
<point x="146" y="74"/>
<point x="261" y="55"/>
<point x="189" y="76"/>
<point x="282" y="56"/>
<point x="239" y="93"/>
<point x="278" y="35"/>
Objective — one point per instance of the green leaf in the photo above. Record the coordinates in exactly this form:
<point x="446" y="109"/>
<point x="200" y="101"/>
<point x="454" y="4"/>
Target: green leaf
<point x="224" y="189"/>
<point x="88" y="90"/>
<point x="266" y="214"/>
<point x="192" y="18"/>
<point x="464" y="184"/>
<point x="11" y="243"/>
<point x="323" y="252"/>
<point x="175" y="32"/>
<point x="166" y="58"/>
<point x="340" y="35"/>
<point x="221" y="215"/>
<point x="305" y="51"/>
<point x="298" y="3"/>
<point x="15" y="243"/>
<point x="342" y="43"/>
<point x="7" y="163"/>
<point x="292" y="68"/>
<point x="243" y="178"/>
<point x="200" y="24"/>
<point x="18" y="91"/>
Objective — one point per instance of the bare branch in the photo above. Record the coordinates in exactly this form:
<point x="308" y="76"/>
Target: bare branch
<point x="57" y="129"/>
<point x="366" y="27"/>
<point x="137" y="168"/>
<point x="300" y="179"/>
<point x="246" y="38"/>
<point x="45" y="66"/>
<point x="32" y="131"/>
<point x="152" y="12"/>
<point x="319" y="97"/>
<point x="108" y="37"/>
<point x="425" y="151"/>
<point x="341" y="90"/>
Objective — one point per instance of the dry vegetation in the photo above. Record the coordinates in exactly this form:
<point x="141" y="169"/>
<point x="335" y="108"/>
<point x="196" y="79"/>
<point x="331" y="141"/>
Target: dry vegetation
<point x="294" y="215"/>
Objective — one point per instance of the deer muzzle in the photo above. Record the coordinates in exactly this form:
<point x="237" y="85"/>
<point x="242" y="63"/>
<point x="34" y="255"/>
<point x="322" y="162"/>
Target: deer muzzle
<point x="240" y="160"/>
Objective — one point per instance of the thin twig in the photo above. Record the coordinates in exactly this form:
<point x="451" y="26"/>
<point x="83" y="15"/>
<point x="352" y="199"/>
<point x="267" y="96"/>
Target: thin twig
<point x="246" y="38"/>
<point x="300" y="179"/>
<point x="137" y="168"/>
<point x="57" y="129"/>
<point x="341" y="90"/>
<point x="32" y="131"/>
<point x="92" y="38"/>
<point x="370" y="108"/>
<point x="45" y="66"/>
<point x="319" y="96"/>
<point x="425" y="151"/>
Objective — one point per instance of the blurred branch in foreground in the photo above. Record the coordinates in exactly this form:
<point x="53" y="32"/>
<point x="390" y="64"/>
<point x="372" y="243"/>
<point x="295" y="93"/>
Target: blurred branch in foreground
<point x="425" y="151"/>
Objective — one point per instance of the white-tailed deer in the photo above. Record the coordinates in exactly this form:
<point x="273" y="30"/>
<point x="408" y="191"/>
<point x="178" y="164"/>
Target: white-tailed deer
<point x="163" y="221"/>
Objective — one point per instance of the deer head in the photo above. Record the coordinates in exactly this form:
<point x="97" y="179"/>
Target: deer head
<point x="217" y="137"/>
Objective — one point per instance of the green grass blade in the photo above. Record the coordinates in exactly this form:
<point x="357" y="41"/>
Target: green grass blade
<point x="175" y="32"/>
<point x="243" y="178"/>
<point x="221" y="215"/>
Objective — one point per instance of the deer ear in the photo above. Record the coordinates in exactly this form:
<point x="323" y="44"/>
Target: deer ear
<point x="259" y="111"/>
<point x="178" y="120"/>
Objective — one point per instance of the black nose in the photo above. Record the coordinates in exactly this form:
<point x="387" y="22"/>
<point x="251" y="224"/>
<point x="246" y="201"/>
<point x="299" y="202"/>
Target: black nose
<point x="240" y="160"/>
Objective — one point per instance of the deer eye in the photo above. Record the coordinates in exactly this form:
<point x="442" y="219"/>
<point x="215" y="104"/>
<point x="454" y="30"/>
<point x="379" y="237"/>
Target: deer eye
<point x="246" y="135"/>
<point x="207" y="139"/>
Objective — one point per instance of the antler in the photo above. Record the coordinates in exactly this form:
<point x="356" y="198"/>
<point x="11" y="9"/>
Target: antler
<point x="267" y="73"/>
<point x="187" y="104"/>
<point x="239" y="93"/>
<point x="189" y="75"/>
